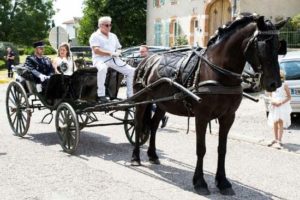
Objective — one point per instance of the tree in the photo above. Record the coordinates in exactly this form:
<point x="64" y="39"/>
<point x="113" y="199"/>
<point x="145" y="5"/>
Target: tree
<point x="25" y="21"/>
<point x="128" y="19"/>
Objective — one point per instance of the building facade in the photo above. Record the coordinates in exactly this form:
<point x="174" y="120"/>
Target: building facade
<point x="71" y="27"/>
<point x="194" y="21"/>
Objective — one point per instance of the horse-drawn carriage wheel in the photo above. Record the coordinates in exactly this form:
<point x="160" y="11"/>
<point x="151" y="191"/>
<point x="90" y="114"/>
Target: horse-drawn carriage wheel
<point x="17" y="108"/>
<point x="67" y="127"/>
<point x="129" y="128"/>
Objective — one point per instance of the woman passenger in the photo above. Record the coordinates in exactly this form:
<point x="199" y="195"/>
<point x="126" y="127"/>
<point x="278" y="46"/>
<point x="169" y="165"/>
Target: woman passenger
<point x="63" y="62"/>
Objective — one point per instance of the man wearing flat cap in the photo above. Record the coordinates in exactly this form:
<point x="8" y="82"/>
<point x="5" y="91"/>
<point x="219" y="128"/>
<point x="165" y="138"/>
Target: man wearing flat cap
<point x="39" y="65"/>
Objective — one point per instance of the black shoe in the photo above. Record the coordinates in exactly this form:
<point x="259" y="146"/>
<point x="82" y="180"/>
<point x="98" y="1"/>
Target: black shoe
<point x="102" y="99"/>
<point x="164" y="121"/>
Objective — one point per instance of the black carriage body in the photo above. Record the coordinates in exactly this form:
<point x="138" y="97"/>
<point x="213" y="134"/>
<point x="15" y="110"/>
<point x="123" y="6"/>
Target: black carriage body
<point x="72" y="97"/>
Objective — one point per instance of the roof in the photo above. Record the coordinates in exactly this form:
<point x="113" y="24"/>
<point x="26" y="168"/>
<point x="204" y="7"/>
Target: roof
<point x="72" y="21"/>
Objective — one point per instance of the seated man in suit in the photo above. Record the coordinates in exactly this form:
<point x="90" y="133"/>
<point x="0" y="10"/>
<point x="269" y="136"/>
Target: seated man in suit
<point x="39" y="65"/>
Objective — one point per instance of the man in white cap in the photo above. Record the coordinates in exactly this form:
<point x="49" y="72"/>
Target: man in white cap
<point x="105" y="53"/>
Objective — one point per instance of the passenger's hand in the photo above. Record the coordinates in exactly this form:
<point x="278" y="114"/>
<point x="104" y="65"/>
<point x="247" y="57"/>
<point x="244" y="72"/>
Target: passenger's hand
<point x="43" y="77"/>
<point x="115" y="54"/>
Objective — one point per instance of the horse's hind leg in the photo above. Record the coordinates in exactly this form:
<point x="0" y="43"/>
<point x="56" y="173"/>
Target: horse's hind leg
<point x="198" y="180"/>
<point x="158" y="115"/>
<point x="221" y="181"/>
<point x="139" y="127"/>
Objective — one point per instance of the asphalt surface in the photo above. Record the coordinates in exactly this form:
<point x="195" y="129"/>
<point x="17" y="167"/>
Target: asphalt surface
<point x="35" y="167"/>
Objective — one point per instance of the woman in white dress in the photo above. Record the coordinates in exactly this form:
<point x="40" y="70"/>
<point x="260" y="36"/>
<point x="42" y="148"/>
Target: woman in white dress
<point x="279" y="111"/>
<point x="63" y="61"/>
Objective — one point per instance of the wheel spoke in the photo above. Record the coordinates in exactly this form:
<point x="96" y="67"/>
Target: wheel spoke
<point x="22" y="121"/>
<point x="12" y="101"/>
<point x="64" y="138"/>
<point x="17" y="125"/>
<point x="12" y="110"/>
<point x="13" y="122"/>
<point x="22" y="125"/>
<point x="13" y="95"/>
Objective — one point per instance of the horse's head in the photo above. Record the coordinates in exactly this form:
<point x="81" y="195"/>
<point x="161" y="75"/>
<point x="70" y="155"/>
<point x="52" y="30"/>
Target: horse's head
<point x="262" y="52"/>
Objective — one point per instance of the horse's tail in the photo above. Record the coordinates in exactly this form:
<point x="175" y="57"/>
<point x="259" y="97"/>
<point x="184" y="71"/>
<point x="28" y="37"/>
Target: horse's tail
<point x="147" y="116"/>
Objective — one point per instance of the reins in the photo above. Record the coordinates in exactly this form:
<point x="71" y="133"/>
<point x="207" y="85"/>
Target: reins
<point x="216" y="67"/>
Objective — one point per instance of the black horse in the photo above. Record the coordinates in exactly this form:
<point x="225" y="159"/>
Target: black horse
<point x="213" y="74"/>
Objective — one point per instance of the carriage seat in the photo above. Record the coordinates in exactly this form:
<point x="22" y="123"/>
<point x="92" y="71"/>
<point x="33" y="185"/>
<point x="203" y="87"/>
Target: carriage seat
<point x="56" y="86"/>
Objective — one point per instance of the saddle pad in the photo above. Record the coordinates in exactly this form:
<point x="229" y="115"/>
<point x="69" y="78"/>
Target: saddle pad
<point x="169" y="64"/>
<point x="179" y="66"/>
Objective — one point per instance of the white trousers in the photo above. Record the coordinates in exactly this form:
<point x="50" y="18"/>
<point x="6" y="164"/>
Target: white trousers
<point x="118" y="65"/>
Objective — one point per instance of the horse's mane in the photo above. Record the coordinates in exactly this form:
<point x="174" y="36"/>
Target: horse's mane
<point x="229" y="27"/>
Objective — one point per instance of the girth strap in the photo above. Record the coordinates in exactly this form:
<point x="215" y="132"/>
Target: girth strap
<point x="219" y="89"/>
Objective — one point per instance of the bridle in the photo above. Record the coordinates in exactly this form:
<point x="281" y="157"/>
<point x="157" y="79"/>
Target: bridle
<point x="255" y="48"/>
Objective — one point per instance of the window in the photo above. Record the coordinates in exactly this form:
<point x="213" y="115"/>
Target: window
<point x="157" y="33"/>
<point x="194" y="32"/>
<point x="174" y="30"/>
<point x="158" y="3"/>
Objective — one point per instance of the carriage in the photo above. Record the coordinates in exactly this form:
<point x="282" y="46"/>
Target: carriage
<point x="71" y="101"/>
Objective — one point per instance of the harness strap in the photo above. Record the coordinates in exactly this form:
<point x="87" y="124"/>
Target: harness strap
<point x="217" y="68"/>
<point x="219" y="89"/>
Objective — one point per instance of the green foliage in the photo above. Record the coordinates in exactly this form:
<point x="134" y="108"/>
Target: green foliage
<point x="128" y="19"/>
<point x="28" y="51"/>
<point x="181" y="40"/>
<point x="49" y="50"/>
<point x="3" y="52"/>
<point x="2" y="64"/>
<point x="291" y="32"/>
<point x="21" y="51"/>
<point x="296" y="22"/>
<point x="25" y="21"/>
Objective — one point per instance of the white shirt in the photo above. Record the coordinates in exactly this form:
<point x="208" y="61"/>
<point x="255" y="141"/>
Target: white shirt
<point x="69" y="70"/>
<point x="110" y="43"/>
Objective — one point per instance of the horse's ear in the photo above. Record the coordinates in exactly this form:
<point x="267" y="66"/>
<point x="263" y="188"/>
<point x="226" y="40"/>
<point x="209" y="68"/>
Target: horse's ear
<point x="280" y="24"/>
<point x="261" y="23"/>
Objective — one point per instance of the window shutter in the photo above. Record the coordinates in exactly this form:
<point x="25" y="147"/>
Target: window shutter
<point x="167" y="33"/>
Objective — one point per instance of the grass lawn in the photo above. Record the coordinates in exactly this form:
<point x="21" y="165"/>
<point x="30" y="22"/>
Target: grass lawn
<point x="3" y="76"/>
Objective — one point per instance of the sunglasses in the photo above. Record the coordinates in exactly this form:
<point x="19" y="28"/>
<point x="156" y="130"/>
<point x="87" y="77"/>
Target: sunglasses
<point x="107" y="25"/>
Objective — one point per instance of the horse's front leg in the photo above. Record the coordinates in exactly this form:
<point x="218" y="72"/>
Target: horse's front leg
<point x="221" y="181"/>
<point x="158" y="115"/>
<point x="139" y="119"/>
<point x="200" y="184"/>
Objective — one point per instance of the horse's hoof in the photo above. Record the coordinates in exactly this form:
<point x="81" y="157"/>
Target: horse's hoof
<point x="136" y="163"/>
<point x="202" y="191"/>
<point x="227" y="192"/>
<point x="154" y="161"/>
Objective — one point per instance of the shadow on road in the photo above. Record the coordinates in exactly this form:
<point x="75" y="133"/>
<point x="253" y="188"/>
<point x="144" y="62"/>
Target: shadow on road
<point x="96" y="145"/>
<point x="295" y="123"/>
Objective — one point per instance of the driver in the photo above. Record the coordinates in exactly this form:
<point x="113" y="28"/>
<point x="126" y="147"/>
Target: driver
<point x="39" y="65"/>
<point x="105" y="54"/>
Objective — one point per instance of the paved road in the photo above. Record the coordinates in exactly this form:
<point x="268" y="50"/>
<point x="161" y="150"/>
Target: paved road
<point x="34" y="167"/>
